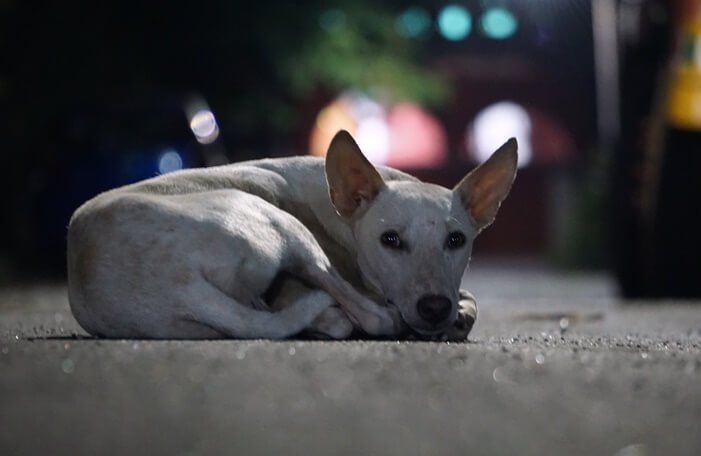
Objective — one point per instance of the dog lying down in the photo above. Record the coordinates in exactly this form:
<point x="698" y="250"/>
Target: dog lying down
<point x="277" y="247"/>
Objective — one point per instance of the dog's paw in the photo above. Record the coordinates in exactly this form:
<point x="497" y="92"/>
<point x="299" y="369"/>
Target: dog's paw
<point x="382" y="322"/>
<point x="332" y="323"/>
<point x="467" y="305"/>
<point x="467" y="316"/>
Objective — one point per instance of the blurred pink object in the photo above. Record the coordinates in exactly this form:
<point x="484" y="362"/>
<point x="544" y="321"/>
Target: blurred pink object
<point x="417" y="139"/>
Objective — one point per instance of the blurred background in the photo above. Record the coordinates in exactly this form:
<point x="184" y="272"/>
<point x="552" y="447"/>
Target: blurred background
<point x="604" y="97"/>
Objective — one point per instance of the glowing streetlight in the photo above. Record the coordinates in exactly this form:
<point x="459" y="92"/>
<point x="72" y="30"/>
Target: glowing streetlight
<point x="454" y="22"/>
<point x="499" y="23"/>
<point x="413" y="23"/>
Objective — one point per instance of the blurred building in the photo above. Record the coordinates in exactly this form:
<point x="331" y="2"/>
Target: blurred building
<point x="600" y="94"/>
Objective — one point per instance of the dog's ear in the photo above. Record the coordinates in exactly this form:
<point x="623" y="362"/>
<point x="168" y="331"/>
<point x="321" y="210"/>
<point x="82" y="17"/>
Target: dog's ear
<point x="485" y="187"/>
<point x="353" y="181"/>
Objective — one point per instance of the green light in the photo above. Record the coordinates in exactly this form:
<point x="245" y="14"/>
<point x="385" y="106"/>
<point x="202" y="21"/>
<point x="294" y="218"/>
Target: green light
<point x="413" y="22"/>
<point x="454" y="22"/>
<point x="332" y="19"/>
<point x="499" y="23"/>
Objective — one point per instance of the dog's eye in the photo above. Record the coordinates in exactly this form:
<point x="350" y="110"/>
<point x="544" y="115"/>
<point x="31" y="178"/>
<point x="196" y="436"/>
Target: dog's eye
<point x="455" y="240"/>
<point x="391" y="239"/>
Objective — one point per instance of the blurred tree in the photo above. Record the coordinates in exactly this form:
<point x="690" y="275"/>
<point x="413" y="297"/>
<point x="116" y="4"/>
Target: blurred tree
<point x="81" y="79"/>
<point x="253" y="61"/>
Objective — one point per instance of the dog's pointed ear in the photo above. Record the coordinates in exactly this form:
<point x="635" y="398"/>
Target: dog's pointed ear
<point x="485" y="187"/>
<point x="353" y="181"/>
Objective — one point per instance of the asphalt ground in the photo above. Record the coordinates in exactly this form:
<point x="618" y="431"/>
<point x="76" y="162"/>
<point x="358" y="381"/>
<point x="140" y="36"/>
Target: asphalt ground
<point x="556" y="364"/>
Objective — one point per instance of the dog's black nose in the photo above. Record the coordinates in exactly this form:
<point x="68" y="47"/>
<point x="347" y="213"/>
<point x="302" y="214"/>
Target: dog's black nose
<point x="434" y="309"/>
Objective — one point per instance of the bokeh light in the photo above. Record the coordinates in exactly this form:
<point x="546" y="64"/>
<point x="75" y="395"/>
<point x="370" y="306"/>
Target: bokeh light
<point x="497" y="123"/>
<point x="204" y="126"/>
<point x="372" y="137"/>
<point x="404" y="136"/>
<point x="499" y="23"/>
<point x="169" y="161"/>
<point x="418" y="140"/>
<point x="413" y="23"/>
<point x="332" y="19"/>
<point x="454" y="22"/>
<point x="336" y="116"/>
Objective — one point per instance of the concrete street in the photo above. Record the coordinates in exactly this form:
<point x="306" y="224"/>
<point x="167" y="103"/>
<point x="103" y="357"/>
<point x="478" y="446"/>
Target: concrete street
<point x="556" y="365"/>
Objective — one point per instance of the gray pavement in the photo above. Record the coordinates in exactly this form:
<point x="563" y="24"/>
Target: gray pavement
<point x="555" y="365"/>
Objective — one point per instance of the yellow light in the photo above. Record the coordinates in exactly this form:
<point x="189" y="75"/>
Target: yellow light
<point x="332" y="118"/>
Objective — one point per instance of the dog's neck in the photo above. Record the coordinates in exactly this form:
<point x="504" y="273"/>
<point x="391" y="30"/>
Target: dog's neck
<point x="333" y="232"/>
<point x="303" y="193"/>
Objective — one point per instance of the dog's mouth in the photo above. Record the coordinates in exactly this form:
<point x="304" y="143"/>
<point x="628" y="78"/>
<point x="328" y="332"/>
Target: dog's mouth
<point x="424" y="329"/>
<point x="430" y="331"/>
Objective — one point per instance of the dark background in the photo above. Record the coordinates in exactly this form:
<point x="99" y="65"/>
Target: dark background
<point x="93" y="93"/>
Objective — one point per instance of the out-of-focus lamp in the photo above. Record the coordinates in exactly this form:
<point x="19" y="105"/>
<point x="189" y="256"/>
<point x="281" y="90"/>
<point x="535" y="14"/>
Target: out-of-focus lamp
<point x="454" y="22"/>
<point x="684" y="102"/>
<point x="499" y="23"/>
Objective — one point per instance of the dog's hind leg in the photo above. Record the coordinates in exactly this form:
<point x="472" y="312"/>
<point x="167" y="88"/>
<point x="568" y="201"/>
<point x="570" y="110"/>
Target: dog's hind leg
<point x="304" y="258"/>
<point x="213" y="308"/>
<point x="331" y="323"/>
<point x="374" y="319"/>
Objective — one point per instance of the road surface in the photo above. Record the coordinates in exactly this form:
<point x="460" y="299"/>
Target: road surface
<point x="555" y="365"/>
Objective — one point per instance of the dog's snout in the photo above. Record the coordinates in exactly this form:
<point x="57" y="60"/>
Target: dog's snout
<point x="434" y="309"/>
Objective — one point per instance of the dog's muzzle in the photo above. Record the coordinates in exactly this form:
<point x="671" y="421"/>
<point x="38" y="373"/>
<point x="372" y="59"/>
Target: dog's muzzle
<point x="434" y="309"/>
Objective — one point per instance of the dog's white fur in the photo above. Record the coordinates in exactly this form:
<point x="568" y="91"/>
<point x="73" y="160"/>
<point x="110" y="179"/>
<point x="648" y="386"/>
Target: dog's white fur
<point x="269" y="248"/>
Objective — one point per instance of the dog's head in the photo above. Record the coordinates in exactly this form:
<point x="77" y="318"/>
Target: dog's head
<point x="414" y="239"/>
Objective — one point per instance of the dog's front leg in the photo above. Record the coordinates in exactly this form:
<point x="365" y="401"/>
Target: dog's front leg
<point x="306" y="259"/>
<point x="335" y="323"/>
<point x="372" y="318"/>
<point x="332" y="323"/>
<point x="365" y="314"/>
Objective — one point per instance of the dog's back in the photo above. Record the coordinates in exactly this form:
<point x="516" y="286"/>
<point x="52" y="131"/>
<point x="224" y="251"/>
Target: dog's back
<point x="338" y="214"/>
<point x="133" y="251"/>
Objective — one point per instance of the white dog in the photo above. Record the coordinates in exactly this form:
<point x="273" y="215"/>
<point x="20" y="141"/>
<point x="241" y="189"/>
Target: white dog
<point x="270" y="248"/>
